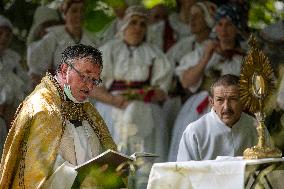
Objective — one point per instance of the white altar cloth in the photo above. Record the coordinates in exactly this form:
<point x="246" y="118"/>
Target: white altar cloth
<point x="225" y="172"/>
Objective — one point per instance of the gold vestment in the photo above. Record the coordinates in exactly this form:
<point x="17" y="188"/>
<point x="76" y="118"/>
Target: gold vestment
<point x="33" y="141"/>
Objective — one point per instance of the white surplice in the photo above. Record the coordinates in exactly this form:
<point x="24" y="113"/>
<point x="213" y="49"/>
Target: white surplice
<point x="78" y="145"/>
<point x="209" y="137"/>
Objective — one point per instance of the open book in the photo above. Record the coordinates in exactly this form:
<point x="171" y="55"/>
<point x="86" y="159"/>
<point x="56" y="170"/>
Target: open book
<point x="108" y="178"/>
<point x="113" y="159"/>
<point x="110" y="157"/>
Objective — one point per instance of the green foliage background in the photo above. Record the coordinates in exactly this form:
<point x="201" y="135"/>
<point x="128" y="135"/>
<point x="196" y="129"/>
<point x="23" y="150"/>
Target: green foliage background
<point x="263" y="12"/>
<point x="99" y="14"/>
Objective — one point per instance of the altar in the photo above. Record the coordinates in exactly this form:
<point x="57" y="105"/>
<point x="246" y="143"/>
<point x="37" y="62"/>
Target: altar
<point x="222" y="173"/>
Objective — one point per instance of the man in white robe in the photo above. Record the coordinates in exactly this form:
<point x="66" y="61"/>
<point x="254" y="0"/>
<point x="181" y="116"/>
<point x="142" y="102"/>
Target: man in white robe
<point x="224" y="131"/>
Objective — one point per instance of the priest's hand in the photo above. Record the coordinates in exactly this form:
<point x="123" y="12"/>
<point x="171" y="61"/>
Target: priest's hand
<point x="104" y="176"/>
<point x="123" y="170"/>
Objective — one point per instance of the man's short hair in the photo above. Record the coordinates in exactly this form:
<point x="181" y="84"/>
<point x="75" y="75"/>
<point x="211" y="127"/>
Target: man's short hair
<point x="80" y="51"/>
<point x="224" y="80"/>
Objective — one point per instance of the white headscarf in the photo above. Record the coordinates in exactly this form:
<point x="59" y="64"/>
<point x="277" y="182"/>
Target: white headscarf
<point x="41" y="15"/>
<point x="208" y="9"/>
<point x="131" y="11"/>
<point x="5" y="22"/>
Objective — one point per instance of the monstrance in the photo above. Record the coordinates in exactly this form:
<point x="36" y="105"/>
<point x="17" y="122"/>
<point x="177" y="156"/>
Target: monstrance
<point x="256" y="84"/>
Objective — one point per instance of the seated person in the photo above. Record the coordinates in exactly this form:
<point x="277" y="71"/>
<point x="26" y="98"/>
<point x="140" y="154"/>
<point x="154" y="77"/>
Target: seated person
<point x="160" y="32"/>
<point x="136" y="78"/>
<point x="109" y="32"/>
<point x="43" y="19"/>
<point x="14" y="81"/>
<point x="45" y="55"/>
<point x="199" y="68"/>
<point x="9" y="58"/>
<point x="179" y="20"/>
<point x="224" y="131"/>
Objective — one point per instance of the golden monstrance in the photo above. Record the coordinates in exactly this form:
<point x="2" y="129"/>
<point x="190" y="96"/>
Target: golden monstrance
<point x="256" y="84"/>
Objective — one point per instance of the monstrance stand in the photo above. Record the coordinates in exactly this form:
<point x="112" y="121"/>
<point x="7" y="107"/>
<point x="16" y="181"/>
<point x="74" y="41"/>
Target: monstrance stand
<point x="256" y="84"/>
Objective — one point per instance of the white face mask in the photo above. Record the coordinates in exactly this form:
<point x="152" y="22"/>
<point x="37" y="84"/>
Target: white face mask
<point x="68" y="93"/>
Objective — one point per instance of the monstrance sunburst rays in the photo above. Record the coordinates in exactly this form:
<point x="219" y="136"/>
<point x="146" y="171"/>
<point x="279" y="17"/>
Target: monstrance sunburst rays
<point x="256" y="84"/>
<point x="255" y="63"/>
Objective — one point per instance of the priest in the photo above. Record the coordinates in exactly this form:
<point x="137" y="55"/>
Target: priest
<point x="55" y="127"/>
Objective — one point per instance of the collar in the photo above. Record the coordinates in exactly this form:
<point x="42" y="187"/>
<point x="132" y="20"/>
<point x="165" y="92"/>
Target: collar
<point x="70" y="110"/>
<point x="221" y="123"/>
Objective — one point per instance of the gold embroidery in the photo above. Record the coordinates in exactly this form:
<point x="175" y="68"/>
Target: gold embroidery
<point x="78" y="111"/>
<point x="30" y="151"/>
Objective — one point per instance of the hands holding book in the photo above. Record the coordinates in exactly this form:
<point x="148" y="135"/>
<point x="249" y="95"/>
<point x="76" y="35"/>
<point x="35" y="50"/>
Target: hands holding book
<point x="108" y="169"/>
<point x="105" y="176"/>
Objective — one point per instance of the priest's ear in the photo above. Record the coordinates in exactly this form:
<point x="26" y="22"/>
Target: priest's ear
<point x="63" y="68"/>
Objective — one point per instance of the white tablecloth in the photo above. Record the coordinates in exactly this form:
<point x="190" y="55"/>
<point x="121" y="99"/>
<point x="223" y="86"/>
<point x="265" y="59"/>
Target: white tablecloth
<point x="225" y="172"/>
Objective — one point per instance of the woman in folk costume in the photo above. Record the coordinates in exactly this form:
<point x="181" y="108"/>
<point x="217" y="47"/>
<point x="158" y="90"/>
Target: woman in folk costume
<point x="14" y="81"/>
<point x="158" y="28"/>
<point x="179" y="20"/>
<point x="165" y="30"/>
<point x="12" y="92"/>
<point x="43" y="19"/>
<point x="136" y="78"/>
<point x="110" y="31"/>
<point x="10" y="59"/>
<point x="201" y="22"/>
<point x="47" y="52"/>
<point x="199" y="68"/>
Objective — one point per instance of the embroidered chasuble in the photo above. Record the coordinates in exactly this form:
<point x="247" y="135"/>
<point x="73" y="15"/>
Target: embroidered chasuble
<point x="34" y="142"/>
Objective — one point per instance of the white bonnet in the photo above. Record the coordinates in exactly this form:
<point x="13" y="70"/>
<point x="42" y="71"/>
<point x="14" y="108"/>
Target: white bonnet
<point x="5" y="22"/>
<point x="208" y="9"/>
<point x="41" y="15"/>
<point x="131" y="11"/>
